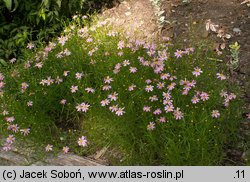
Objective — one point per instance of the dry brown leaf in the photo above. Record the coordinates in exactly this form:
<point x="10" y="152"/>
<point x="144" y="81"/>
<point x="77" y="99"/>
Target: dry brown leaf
<point x="246" y="1"/>
<point x="100" y="153"/>
<point x="223" y="46"/>
<point x="207" y="26"/>
<point x="228" y="36"/>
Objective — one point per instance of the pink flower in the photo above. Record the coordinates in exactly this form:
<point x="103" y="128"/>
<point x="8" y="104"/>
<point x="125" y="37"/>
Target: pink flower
<point x="223" y="94"/>
<point x="231" y="96"/>
<point x="7" y="147"/>
<point x="89" y="40"/>
<point x="14" y="128"/>
<point x="153" y="98"/>
<point x="83" y="107"/>
<point x="2" y="84"/>
<point x="162" y="119"/>
<point x="146" y="108"/>
<point x="1" y="77"/>
<point x="113" y="96"/>
<point x="204" y="96"/>
<point x="10" y="119"/>
<point x="25" y="85"/>
<point x="197" y="71"/>
<point x="105" y="102"/>
<point x="10" y="139"/>
<point x="178" y="53"/>
<point x="65" y="150"/>
<point x="195" y="99"/>
<point x="151" y="52"/>
<point x="25" y="131"/>
<point x="108" y="80"/>
<point x="171" y="86"/>
<point x="167" y="102"/>
<point x="66" y="52"/>
<point x="62" y="40"/>
<point x="126" y="63"/>
<point x="63" y="101"/>
<point x="79" y="76"/>
<point x="165" y="76"/>
<point x="113" y="108"/>
<point x="221" y="76"/>
<point x="30" y="103"/>
<point x="226" y="102"/>
<point x="106" y="87"/>
<point x="178" y="114"/>
<point x="185" y="92"/>
<point x="58" y="80"/>
<point x="148" y="81"/>
<point x="43" y="82"/>
<point x="169" y="108"/>
<point x="12" y="60"/>
<point x="82" y="141"/>
<point x="5" y="113"/>
<point x="166" y="95"/>
<point x="193" y="83"/>
<point x="120" y="53"/>
<point x="131" y="87"/>
<point x="65" y="73"/>
<point x="160" y="85"/>
<point x="90" y="90"/>
<point x="120" y="45"/>
<point x="30" y="45"/>
<point x="120" y="111"/>
<point x="49" y="81"/>
<point x="157" y="111"/>
<point x="215" y="114"/>
<point x="39" y="65"/>
<point x="133" y="69"/>
<point x="49" y="148"/>
<point x="151" y="126"/>
<point x="149" y="88"/>
<point x="74" y="89"/>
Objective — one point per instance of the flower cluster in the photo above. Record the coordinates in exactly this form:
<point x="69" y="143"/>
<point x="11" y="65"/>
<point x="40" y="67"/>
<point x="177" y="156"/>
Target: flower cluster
<point x="14" y="129"/>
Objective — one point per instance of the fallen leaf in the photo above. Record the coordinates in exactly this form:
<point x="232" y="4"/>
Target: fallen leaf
<point x="246" y="1"/>
<point x="228" y="36"/>
<point x="213" y="27"/>
<point x="100" y="153"/>
<point x="223" y="46"/>
<point x="128" y="13"/>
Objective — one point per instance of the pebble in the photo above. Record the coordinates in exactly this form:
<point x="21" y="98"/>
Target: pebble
<point x="237" y="30"/>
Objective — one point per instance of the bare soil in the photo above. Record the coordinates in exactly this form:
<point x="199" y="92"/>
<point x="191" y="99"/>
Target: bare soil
<point x="135" y="17"/>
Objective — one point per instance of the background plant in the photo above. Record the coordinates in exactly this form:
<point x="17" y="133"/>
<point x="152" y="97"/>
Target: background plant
<point x="23" y="21"/>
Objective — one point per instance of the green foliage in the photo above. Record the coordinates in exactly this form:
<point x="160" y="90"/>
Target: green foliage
<point x="235" y="50"/>
<point x="101" y="62"/>
<point x="23" y="21"/>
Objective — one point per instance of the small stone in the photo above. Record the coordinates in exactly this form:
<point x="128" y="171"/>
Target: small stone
<point x="237" y="30"/>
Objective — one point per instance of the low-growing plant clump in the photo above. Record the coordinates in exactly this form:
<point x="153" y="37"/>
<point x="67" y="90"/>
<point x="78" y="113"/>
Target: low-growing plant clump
<point x="95" y="87"/>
